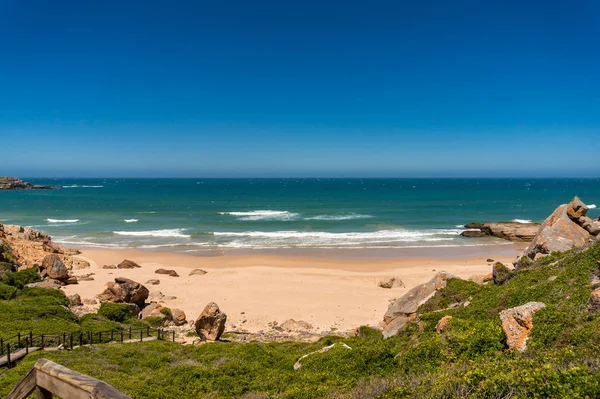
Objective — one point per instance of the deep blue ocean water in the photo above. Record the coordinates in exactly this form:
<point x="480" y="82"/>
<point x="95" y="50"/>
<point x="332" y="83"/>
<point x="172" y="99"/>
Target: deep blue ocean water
<point x="197" y="214"/>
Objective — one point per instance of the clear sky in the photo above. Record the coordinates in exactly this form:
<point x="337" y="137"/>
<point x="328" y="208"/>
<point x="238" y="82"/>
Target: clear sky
<point x="300" y="88"/>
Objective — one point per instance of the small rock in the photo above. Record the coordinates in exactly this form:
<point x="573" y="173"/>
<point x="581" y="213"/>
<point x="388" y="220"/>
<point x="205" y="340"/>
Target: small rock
<point x="178" y="318"/>
<point x="593" y="305"/>
<point x="490" y="260"/>
<point x="198" y="272"/>
<point x="88" y="301"/>
<point x="128" y="264"/>
<point x="75" y="300"/>
<point x="153" y="281"/>
<point x="391" y="282"/>
<point x="72" y="280"/>
<point x="517" y="323"/>
<point x="168" y="272"/>
<point x="292" y="325"/>
<point x="442" y="324"/>
<point x="109" y="267"/>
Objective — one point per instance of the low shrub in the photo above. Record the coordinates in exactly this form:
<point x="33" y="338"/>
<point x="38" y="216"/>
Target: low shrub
<point x="114" y="311"/>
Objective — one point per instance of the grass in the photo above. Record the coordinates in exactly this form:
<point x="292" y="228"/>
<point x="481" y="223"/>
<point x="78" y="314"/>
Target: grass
<point x="469" y="360"/>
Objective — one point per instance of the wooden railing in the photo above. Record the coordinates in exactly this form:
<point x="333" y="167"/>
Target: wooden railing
<point x="47" y="378"/>
<point x="23" y="343"/>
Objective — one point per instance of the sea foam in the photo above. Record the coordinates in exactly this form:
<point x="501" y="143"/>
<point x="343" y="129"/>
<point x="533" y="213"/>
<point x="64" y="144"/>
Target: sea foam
<point x="62" y="220"/>
<point x="292" y="238"/>
<point x="592" y="206"/>
<point x="524" y="221"/>
<point x="131" y="220"/>
<point x="349" y="216"/>
<point x="154" y="233"/>
<point x="262" y="215"/>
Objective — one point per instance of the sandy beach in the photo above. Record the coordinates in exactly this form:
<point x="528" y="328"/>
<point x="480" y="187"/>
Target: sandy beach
<point x="330" y="294"/>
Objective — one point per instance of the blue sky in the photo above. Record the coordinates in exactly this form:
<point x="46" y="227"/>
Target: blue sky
<point x="300" y="88"/>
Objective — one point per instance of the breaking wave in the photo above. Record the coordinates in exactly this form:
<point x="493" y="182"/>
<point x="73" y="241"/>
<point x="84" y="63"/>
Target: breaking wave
<point x="592" y="206"/>
<point x="81" y="186"/>
<point x="62" y="220"/>
<point x="178" y="233"/>
<point x="262" y="215"/>
<point x="349" y="216"/>
<point x="524" y="221"/>
<point x="130" y="220"/>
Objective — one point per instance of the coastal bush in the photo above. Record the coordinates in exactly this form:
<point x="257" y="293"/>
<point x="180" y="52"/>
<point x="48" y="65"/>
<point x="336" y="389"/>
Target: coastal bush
<point x="155" y="321"/>
<point x="20" y="278"/>
<point x="7" y="291"/>
<point x="114" y="311"/>
<point x="167" y="312"/>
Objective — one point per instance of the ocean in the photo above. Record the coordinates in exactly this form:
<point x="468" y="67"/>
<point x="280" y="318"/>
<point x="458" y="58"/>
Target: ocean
<point x="214" y="215"/>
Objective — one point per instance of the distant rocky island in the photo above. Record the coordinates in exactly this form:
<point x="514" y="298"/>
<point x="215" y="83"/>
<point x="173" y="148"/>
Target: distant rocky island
<point x="13" y="183"/>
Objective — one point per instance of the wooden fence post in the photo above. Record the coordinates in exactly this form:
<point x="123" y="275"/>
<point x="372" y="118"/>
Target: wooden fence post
<point x="71" y="341"/>
<point x="129" y="332"/>
<point x="80" y="338"/>
<point x="141" y="335"/>
<point x="42" y="341"/>
<point x="173" y="335"/>
<point x="18" y="339"/>
<point x="148" y="330"/>
<point x="1" y="346"/>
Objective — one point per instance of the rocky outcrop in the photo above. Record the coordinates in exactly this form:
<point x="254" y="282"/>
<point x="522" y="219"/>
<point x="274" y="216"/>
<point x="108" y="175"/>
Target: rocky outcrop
<point x="128" y="264"/>
<point x="12" y="183"/>
<point x="31" y="246"/>
<point x="210" y="325"/>
<point x="404" y="309"/>
<point x="565" y="229"/>
<point x="124" y="290"/>
<point x="442" y="324"/>
<point x="512" y="231"/>
<point x="390" y="282"/>
<point x="517" y="323"/>
<point x="168" y="272"/>
<point x="171" y="316"/>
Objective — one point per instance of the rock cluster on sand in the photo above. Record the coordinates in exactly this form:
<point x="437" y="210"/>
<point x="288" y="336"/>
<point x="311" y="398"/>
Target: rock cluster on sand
<point x="517" y="323"/>
<point x="210" y="325"/>
<point x="124" y="290"/>
<point x="12" y="183"/>
<point x="173" y="316"/>
<point x="404" y="309"/>
<point x="511" y="231"/>
<point x="565" y="229"/>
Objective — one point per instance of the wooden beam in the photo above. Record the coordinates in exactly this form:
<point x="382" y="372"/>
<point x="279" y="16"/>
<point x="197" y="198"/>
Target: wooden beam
<point x="25" y="387"/>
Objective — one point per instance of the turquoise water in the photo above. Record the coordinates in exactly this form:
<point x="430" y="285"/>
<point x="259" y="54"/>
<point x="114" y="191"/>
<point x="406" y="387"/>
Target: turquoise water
<point x="200" y="214"/>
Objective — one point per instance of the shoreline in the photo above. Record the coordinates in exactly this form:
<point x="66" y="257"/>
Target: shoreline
<point x="256" y="290"/>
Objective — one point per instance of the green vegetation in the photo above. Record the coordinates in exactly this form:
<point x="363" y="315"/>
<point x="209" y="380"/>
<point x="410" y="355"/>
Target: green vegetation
<point x="469" y="359"/>
<point x="114" y="311"/>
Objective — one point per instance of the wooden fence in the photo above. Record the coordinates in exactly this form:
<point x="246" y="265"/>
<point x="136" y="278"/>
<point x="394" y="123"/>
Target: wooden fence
<point x="22" y="344"/>
<point x="47" y="378"/>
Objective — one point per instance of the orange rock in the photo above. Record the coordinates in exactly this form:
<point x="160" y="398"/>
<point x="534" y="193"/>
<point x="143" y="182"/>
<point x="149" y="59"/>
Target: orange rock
<point x="442" y="325"/>
<point x="517" y="323"/>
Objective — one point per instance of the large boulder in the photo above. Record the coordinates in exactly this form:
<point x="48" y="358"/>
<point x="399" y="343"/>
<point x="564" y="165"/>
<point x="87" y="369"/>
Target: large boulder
<point x="210" y="325"/>
<point x="561" y="231"/>
<point x="124" y="290"/>
<point x="54" y="267"/>
<point x="517" y="323"/>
